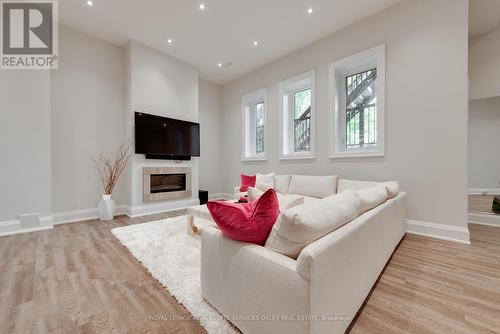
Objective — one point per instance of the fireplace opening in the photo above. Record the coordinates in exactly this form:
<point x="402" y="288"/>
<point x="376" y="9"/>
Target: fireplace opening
<point x="164" y="183"/>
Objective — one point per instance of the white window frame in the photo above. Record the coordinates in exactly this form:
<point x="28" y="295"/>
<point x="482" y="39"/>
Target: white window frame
<point x="249" y="134"/>
<point x="338" y="71"/>
<point x="286" y="111"/>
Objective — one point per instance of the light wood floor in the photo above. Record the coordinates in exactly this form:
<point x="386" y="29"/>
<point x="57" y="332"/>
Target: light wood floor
<point x="78" y="278"/>
<point x="481" y="203"/>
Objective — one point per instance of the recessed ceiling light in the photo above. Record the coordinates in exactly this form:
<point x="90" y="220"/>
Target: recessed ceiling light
<point x="90" y="2"/>
<point x="310" y="11"/>
<point x="202" y="6"/>
<point x="169" y="41"/>
<point x="219" y="64"/>
<point x="255" y="43"/>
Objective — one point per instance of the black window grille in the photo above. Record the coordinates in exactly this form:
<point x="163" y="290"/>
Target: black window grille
<point x="361" y="109"/>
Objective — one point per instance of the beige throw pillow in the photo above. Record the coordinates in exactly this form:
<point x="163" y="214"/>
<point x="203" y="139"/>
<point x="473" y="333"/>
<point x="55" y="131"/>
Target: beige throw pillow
<point x="282" y="183"/>
<point x="345" y="184"/>
<point x="285" y="201"/>
<point x="372" y="197"/>
<point x="299" y="226"/>
<point x="392" y="188"/>
<point x="313" y="186"/>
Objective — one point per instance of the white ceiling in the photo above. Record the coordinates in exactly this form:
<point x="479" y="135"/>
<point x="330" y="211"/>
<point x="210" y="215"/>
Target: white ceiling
<point x="484" y="16"/>
<point x="224" y="32"/>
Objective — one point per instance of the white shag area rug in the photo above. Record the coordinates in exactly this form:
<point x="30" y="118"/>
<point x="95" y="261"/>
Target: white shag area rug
<point x="173" y="258"/>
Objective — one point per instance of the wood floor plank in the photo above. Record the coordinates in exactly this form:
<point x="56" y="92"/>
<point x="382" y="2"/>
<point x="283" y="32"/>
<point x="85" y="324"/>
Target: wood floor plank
<point x="77" y="278"/>
<point x="480" y="203"/>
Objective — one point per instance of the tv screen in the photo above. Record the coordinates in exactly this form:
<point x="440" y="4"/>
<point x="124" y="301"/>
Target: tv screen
<point x="156" y="135"/>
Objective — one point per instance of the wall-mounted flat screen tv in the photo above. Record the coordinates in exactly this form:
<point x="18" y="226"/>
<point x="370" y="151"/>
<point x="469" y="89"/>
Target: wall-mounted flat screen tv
<point x="166" y="138"/>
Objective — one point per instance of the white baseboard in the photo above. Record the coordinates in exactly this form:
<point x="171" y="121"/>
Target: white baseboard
<point x="9" y="226"/>
<point x="26" y="230"/>
<point x="438" y="231"/>
<point x="14" y="227"/>
<point x="221" y="196"/>
<point x="83" y="215"/>
<point x="484" y="191"/>
<point x="154" y="208"/>
<point x="484" y="219"/>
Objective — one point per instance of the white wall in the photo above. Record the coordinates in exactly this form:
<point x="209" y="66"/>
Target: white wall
<point x="484" y="66"/>
<point x="484" y="141"/>
<point x="56" y="121"/>
<point x="88" y="117"/>
<point x="24" y="143"/>
<point x="159" y="85"/>
<point x="426" y="87"/>
<point x="211" y="137"/>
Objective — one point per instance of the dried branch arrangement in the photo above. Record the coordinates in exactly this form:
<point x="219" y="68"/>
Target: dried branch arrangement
<point x="110" y="170"/>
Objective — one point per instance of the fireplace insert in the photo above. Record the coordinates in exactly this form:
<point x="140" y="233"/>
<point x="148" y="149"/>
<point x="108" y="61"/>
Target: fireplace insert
<point x="164" y="183"/>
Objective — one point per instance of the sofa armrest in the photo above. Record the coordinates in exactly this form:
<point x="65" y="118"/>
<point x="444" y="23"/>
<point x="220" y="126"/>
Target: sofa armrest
<point x="212" y="235"/>
<point x="243" y="281"/>
<point x="343" y="266"/>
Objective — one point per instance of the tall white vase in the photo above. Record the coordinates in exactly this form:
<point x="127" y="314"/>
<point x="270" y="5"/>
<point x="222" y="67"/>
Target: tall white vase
<point x="106" y="208"/>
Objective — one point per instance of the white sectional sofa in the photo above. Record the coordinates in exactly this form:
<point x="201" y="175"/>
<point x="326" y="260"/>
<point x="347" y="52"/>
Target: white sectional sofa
<point x="260" y="290"/>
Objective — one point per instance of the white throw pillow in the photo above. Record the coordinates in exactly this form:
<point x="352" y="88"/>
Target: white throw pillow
<point x="345" y="184"/>
<point x="372" y="197"/>
<point x="298" y="227"/>
<point x="286" y="201"/>
<point x="253" y="194"/>
<point x="282" y="183"/>
<point x="313" y="186"/>
<point x="264" y="181"/>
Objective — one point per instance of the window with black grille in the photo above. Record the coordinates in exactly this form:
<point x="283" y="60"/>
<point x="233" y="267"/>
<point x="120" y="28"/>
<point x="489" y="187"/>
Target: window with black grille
<point x="361" y="109"/>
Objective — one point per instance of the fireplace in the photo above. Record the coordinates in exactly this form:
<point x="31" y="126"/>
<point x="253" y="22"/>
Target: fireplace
<point x="164" y="183"/>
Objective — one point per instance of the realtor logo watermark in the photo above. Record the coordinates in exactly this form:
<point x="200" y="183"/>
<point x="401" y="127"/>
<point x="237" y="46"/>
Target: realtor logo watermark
<point x="29" y="35"/>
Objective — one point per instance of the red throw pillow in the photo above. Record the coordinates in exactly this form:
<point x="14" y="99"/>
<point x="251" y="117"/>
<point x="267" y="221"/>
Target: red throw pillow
<point x="247" y="222"/>
<point x="247" y="181"/>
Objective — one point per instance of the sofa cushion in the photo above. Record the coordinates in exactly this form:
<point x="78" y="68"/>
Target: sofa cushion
<point x="247" y="181"/>
<point x="282" y="183"/>
<point x="286" y="201"/>
<point x="246" y="222"/>
<point x="345" y="184"/>
<point x="309" y="199"/>
<point x="372" y="197"/>
<point x="264" y="181"/>
<point x="313" y="186"/>
<point x="303" y="224"/>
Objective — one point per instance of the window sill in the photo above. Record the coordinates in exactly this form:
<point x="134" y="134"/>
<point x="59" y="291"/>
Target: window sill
<point x="357" y="154"/>
<point x="297" y="157"/>
<point x="250" y="159"/>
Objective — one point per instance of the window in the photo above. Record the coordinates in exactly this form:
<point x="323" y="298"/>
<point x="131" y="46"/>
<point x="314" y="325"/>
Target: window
<point x="361" y="109"/>
<point x="259" y="121"/>
<point x="302" y="121"/>
<point x="357" y="115"/>
<point x="297" y="117"/>
<point x="254" y="126"/>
